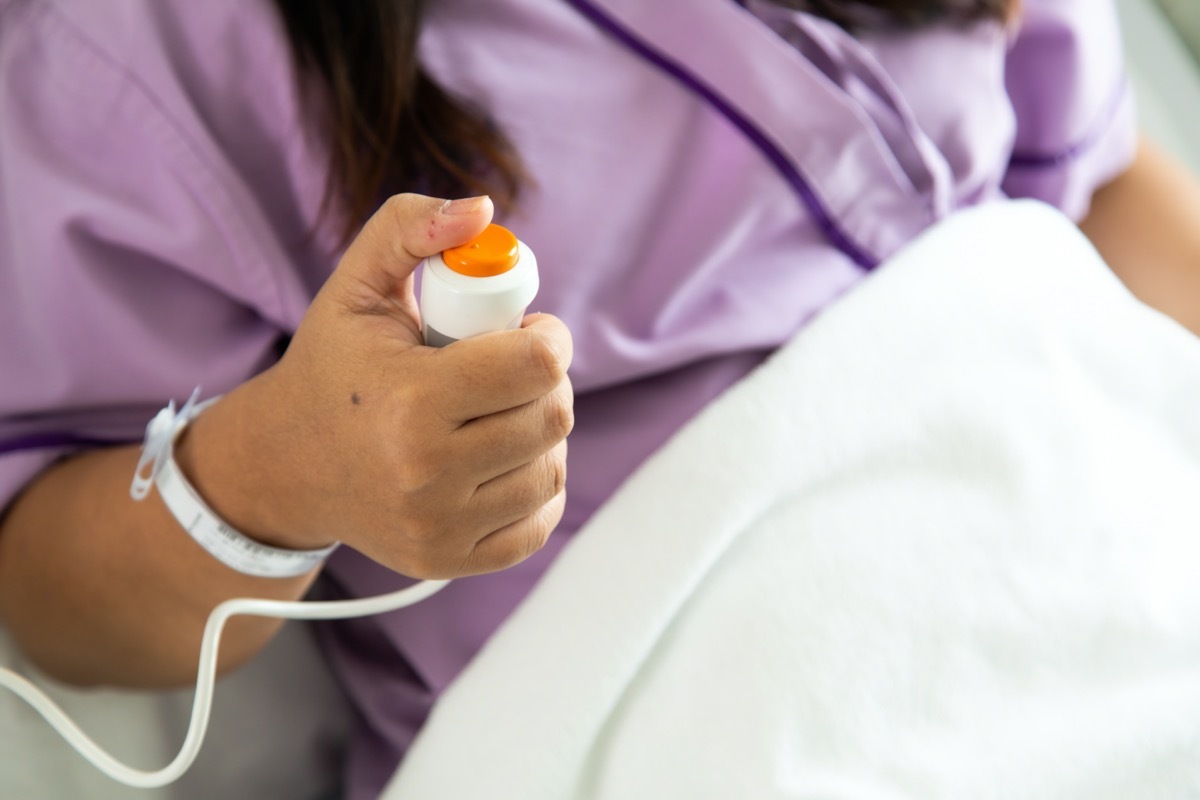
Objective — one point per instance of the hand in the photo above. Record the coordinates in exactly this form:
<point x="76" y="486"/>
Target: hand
<point x="434" y="462"/>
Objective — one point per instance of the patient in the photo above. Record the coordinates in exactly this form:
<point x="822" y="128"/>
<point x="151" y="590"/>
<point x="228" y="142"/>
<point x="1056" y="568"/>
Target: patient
<point x="193" y="194"/>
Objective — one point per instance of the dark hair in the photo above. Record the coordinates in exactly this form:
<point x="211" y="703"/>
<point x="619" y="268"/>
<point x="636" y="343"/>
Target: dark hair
<point x="391" y="128"/>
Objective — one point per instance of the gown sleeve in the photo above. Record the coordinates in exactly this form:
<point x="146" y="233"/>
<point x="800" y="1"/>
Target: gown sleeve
<point x="1076" y="121"/>
<point x="135" y="262"/>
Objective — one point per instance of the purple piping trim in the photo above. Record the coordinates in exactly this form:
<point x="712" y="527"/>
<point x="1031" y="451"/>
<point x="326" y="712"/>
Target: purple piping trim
<point x="760" y="140"/>
<point x="1032" y="160"/>
<point x="47" y="441"/>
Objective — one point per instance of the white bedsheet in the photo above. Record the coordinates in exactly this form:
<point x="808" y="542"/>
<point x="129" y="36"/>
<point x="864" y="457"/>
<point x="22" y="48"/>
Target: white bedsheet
<point x="944" y="545"/>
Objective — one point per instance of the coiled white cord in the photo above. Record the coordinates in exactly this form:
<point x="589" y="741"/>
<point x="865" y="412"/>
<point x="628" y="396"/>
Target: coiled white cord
<point x="202" y="704"/>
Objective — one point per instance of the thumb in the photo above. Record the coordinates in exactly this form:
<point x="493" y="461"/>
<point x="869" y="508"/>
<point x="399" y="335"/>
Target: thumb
<point x="406" y="229"/>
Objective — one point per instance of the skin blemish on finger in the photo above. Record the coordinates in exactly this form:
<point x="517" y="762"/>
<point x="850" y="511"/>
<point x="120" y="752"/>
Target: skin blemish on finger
<point x="356" y="398"/>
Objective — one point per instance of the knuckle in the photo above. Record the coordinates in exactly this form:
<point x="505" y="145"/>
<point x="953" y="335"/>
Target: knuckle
<point x="399" y="219"/>
<point x="394" y="213"/>
<point x="535" y="535"/>
<point x="560" y="417"/>
<point x="529" y="535"/>
<point x="558" y="473"/>
<point x="399" y="207"/>
<point x="394" y="204"/>
<point x="547" y="358"/>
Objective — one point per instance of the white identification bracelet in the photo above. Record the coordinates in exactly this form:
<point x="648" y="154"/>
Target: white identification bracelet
<point x="222" y="541"/>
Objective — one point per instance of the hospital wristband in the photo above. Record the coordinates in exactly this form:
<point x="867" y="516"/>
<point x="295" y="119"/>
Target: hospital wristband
<point x="225" y="543"/>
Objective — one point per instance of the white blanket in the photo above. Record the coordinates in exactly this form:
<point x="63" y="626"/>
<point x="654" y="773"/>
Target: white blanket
<point x="944" y="545"/>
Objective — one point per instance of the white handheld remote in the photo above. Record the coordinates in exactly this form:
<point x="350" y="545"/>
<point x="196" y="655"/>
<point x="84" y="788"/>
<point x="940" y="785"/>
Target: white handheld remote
<point x="484" y="285"/>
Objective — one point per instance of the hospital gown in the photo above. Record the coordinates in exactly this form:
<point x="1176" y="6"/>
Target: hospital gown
<point x="706" y="177"/>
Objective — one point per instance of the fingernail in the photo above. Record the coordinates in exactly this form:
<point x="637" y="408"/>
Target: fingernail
<point x="463" y="205"/>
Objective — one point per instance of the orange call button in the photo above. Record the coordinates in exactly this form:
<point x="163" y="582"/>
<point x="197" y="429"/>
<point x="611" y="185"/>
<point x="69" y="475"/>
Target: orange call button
<point x="493" y="252"/>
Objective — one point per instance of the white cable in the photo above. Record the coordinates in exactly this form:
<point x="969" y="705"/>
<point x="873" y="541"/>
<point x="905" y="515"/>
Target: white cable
<point x="202" y="704"/>
<point x="497" y="301"/>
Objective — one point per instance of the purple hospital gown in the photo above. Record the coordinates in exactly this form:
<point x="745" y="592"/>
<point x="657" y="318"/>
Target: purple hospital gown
<point x="707" y="176"/>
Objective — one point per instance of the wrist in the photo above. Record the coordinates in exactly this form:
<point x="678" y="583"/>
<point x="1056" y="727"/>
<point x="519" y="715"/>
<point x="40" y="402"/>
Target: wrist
<point x="236" y="457"/>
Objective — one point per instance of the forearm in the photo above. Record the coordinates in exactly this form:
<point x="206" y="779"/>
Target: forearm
<point x="436" y="463"/>
<point x="99" y="589"/>
<point x="1146" y="224"/>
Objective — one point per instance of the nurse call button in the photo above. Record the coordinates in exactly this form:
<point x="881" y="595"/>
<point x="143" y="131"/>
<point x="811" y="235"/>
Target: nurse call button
<point x="491" y="253"/>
